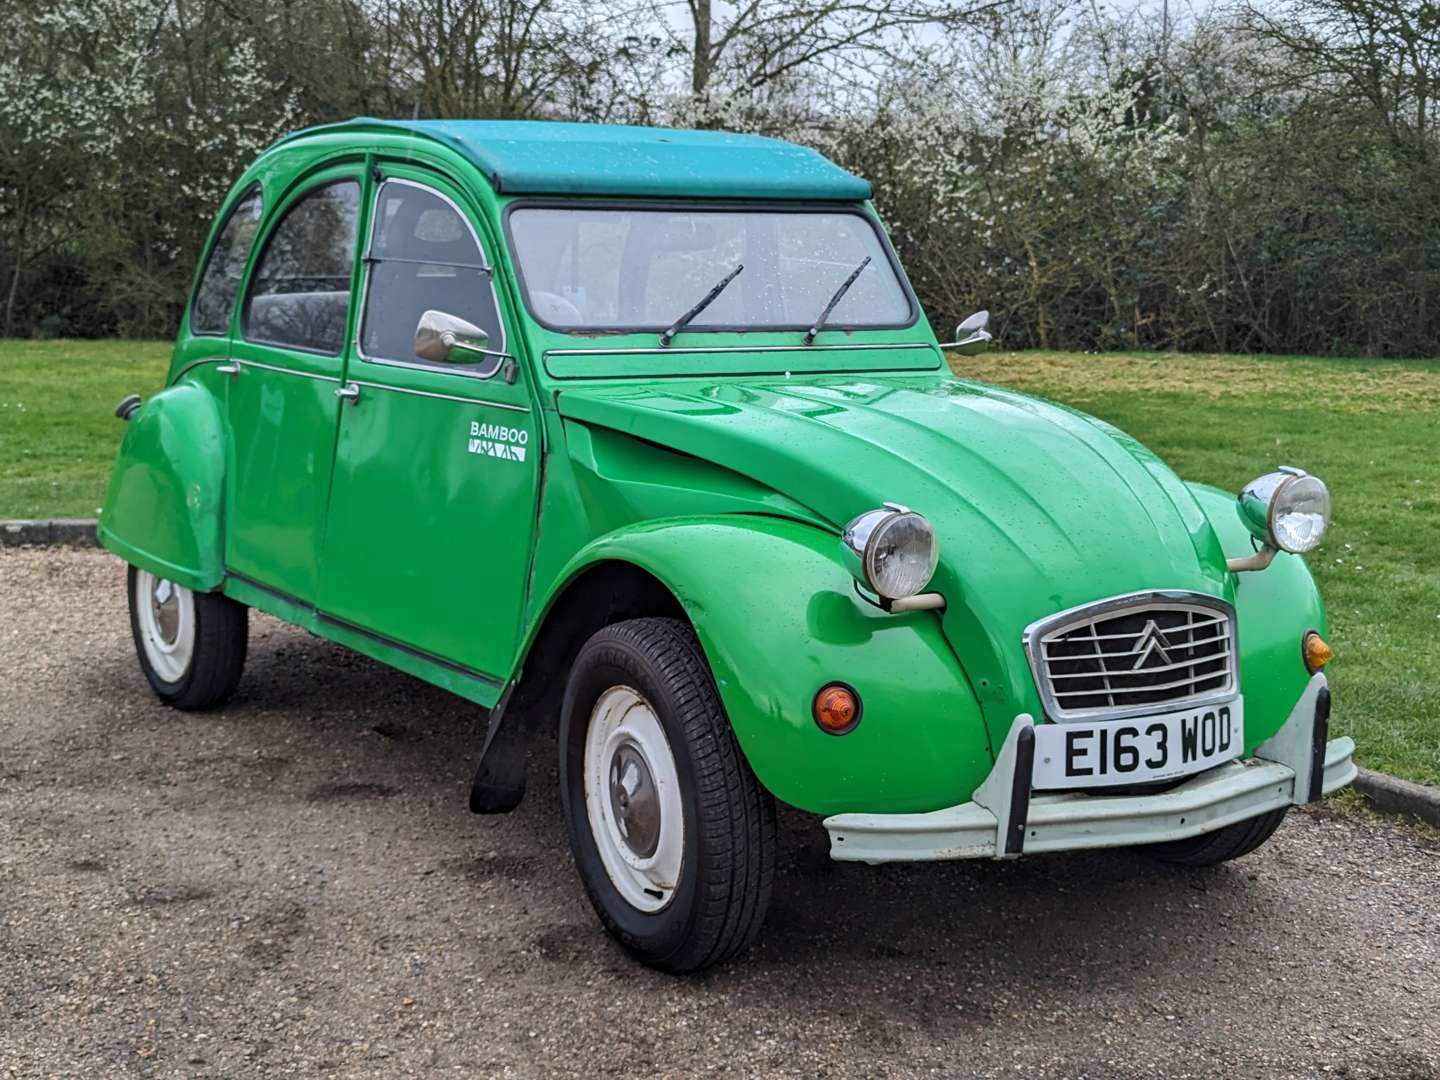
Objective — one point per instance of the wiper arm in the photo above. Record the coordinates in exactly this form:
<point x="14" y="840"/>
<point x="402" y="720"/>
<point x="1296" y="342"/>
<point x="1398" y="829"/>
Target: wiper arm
<point x="705" y="301"/>
<point x="839" y="295"/>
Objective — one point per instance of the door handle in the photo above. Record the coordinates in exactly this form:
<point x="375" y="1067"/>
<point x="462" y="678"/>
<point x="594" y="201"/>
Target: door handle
<point x="228" y="369"/>
<point x="350" y="393"/>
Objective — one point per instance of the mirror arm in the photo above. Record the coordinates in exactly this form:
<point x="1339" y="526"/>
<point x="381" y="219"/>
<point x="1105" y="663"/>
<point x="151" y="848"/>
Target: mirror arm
<point x="509" y="368"/>
<point x="1259" y="561"/>
<point x="452" y="343"/>
<point x="977" y="342"/>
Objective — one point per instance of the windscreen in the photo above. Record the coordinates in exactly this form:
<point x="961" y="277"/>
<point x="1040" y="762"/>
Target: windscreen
<point x="595" y="269"/>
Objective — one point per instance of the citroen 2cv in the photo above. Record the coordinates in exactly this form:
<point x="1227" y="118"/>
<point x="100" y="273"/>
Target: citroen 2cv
<point x="639" y="438"/>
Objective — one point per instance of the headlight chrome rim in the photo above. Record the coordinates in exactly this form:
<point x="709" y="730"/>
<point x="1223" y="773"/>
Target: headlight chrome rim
<point x="863" y="544"/>
<point x="1266" y="500"/>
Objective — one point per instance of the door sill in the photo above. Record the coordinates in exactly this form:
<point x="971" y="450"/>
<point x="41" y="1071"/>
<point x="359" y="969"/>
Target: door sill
<point x="465" y="682"/>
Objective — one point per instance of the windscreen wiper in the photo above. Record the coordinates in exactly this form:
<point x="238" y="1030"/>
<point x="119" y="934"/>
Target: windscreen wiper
<point x="705" y="301"/>
<point x="839" y="295"/>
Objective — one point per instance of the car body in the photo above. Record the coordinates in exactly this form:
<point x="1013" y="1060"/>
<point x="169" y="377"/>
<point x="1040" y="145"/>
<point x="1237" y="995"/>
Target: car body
<point x="475" y="504"/>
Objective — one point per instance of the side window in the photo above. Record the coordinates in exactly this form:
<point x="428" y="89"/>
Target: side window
<point x="300" y="289"/>
<point x="423" y="256"/>
<point x="220" y="281"/>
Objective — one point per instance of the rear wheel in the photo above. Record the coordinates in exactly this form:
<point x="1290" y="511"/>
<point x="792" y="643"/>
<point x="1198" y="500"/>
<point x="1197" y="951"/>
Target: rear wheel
<point x="1223" y="844"/>
<point x="672" y="834"/>
<point x="191" y="645"/>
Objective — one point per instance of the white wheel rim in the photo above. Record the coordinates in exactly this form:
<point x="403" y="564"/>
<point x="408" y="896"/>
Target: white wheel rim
<point x="167" y="624"/>
<point x="630" y="782"/>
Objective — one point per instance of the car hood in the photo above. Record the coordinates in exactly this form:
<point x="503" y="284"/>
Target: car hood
<point x="1038" y="508"/>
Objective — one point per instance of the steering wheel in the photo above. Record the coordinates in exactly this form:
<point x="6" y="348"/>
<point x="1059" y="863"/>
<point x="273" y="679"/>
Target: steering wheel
<point x="553" y="308"/>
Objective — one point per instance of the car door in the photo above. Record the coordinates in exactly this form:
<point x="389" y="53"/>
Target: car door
<point x="432" y="505"/>
<point x="286" y="364"/>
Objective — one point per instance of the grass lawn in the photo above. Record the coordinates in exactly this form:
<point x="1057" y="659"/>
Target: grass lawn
<point x="58" y="430"/>
<point x="1371" y="429"/>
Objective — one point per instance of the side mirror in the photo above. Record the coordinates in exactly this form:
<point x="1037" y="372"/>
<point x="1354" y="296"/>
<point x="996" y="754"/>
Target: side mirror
<point x="972" y="336"/>
<point x="449" y="339"/>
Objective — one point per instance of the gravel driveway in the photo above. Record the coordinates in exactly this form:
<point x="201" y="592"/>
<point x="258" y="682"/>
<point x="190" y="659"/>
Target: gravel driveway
<point x="294" y="886"/>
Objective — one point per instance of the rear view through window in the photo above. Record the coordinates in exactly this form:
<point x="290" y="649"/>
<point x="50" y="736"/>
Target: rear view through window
<point x="215" y="298"/>
<point x="640" y="269"/>
<point x="300" y="291"/>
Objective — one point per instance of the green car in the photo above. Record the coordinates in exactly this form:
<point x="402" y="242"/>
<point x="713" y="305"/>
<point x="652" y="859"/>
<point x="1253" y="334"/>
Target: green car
<point x="639" y="439"/>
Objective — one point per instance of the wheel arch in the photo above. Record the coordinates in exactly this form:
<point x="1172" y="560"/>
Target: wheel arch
<point x="777" y="618"/>
<point x="164" y="507"/>
<point x="593" y="595"/>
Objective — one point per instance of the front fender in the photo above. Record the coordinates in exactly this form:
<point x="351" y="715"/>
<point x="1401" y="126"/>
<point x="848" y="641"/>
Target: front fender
<point x="1274" y="607"/>
<point x="163" y="509"/>
<point x="778" y="618"/>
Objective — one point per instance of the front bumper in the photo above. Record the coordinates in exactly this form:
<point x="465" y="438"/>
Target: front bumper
<point x="1297" y="765"/>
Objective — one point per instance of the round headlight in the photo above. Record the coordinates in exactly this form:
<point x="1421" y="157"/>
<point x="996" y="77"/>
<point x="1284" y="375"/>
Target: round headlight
<point x="892" y="551"/>
<point x="1289" y="509"/>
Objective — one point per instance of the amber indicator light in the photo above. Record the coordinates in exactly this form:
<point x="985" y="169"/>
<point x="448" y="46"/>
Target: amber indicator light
<point x="1317" y="654"/>
<point x="837" y="708"/>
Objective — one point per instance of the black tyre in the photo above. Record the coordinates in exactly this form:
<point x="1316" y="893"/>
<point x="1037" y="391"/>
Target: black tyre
<point x="672" y="834"/>
<point x="191" y="645"/>
<point x="1229" y="842"/>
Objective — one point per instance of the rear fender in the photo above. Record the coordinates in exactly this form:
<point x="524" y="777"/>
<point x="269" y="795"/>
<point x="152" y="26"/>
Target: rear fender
<point x="778" y="618"/>
<point x="163" y="509"/>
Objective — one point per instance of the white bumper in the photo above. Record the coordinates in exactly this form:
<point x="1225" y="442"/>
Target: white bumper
<point x="1004" y="820"/>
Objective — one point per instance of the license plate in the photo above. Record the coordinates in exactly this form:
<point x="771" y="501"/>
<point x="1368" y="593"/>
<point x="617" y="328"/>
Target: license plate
<point x="1138" y="749"/>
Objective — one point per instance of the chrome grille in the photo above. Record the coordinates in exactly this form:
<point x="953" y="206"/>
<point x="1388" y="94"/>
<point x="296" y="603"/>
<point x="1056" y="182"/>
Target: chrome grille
<point x="1134" y="654"/>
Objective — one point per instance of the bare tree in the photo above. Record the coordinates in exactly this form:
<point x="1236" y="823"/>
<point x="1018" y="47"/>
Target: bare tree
<point x="753" y="43"/>
<point x="495" y="58"/>
<point x="1382" y="53"/>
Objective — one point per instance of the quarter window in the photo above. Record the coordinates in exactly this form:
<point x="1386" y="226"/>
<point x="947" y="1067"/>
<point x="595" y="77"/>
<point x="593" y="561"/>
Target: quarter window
<point x="300" y="291"/>
<point x="423" y="256"/>
<point x="215" y="297"/>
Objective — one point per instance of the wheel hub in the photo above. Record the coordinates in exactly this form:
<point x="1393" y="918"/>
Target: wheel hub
<point x="165" y="617"/>
<point x="634" y="800"/>
<point x="165" y="606"/>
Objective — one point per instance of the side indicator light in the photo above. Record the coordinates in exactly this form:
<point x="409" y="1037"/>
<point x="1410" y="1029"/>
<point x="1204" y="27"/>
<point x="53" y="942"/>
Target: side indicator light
<point x="837" y="708"/>
<point x="1317" y="654"/>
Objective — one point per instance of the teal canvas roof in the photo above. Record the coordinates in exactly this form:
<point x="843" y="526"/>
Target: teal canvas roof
<point x="539" y="157"/>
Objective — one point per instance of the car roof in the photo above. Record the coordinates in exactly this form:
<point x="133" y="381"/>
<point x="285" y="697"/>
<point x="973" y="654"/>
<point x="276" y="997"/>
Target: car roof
<point x="547" y="157"/>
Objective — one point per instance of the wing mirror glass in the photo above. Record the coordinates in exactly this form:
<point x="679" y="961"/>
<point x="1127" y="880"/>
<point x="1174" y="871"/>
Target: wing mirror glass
<point x="443" y="338"/>
<point x="449" y="339"/>
<point x="972" y="336"/>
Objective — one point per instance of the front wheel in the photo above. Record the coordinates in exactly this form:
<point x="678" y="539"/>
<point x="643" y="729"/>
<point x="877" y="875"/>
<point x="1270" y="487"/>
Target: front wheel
<point x="1229" y="842"/>
<point x="191" y="645"/>
<point x="672" y="834"/>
